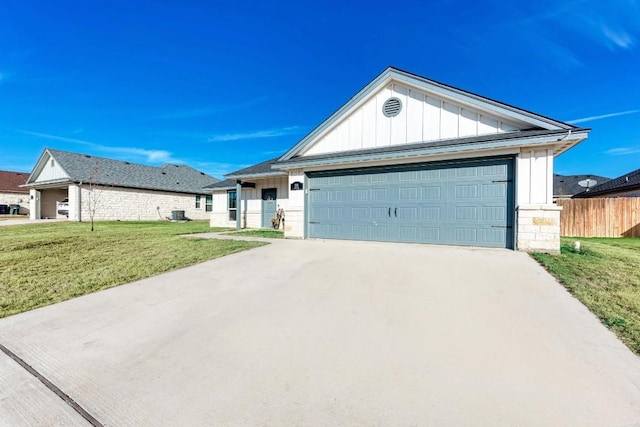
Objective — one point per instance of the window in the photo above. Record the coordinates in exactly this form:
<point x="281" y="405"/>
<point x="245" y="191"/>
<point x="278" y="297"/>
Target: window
<point x="208" y="204"/>
<point x="232" y="204"/>
<point x="53" y="163"/>
<point x="197" y="202"/>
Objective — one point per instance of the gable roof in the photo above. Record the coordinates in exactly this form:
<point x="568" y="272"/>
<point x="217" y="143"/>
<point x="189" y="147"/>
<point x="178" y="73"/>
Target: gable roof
<point x="567" y="185"/>
<point x="102" y="171"/>
<point x="627" y="182"/>
<point x="10" y="182"/>
<point x="449" y="92"/>
<point x="258" y="170"/>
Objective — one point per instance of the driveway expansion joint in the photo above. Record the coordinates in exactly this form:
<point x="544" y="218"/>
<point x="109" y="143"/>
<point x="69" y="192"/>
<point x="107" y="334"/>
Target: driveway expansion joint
<point x="51" y="386"/>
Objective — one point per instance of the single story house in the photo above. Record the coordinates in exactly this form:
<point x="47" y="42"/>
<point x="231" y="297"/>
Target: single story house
<point x="567" y="186"/>
<point x="409" y="159"/>
<point x="114" y="190"/>
<point x="11" y="192"/>
<point x="627" y="185"/>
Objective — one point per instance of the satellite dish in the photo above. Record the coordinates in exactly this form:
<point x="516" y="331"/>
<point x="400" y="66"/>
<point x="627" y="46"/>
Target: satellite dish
<point x="587" y="183"/>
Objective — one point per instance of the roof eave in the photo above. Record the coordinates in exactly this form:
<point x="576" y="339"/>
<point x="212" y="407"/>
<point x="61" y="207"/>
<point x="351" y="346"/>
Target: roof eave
<point x="533" y="141"/>
<point x="255" y="175"/>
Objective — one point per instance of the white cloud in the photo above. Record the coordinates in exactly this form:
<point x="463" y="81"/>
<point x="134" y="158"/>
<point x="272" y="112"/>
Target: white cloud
<point x="55" y="137"/>
<point x="149" y="155"/>
<point x="619" y="38"/>
<point x="268" y="133"/>
<point x="622" y="151"/>
<point x="603" y="116"/>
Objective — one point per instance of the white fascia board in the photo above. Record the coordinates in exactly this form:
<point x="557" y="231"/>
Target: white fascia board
<point x="444" y="157"/>
<point x="38" y="166"/>
<point x="256" y="175"/>
<point x="229" y="187"/>
<point x="41" y="163"/>
<point x="534" y="141"/>
<point x="480" y="102"/>
<point x="49" y="184"/>
<point x="356" y="100"/>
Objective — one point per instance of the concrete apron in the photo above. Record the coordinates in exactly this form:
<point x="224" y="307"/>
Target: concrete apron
<point x="325" y="333"/>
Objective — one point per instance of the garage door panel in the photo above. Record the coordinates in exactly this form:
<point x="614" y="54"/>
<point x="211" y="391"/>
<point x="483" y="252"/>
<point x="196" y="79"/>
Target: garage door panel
<point x="380" y="232"/>
<point x="468" y="191"/>
<point x="380" y="194"/>
<point x="407" y="213"/>
<point x="466" y="213"/>
<point x="430" y="213"/>
<point x="409" y="233"/>
<point x="360" y="194"/>
<point x="430" y="234"/>
<point x="492" y="236"/>
<point x="462" y="204"/>
<point x="430" y="175"/>
<point x="495" y="171"/>
<point x="464" y="172"/>
<point x="466" y="235"/>
<point x="430" y="193"/>
<point x="494" y="213"/>
<point x="408" y="193"/>
<point x="497" y="190"/>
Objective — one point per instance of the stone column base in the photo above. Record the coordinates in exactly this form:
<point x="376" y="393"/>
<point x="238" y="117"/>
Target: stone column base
<point x="539" y="228"/>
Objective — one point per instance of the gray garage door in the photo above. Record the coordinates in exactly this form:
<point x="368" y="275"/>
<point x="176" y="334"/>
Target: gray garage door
<point x="465" y="203"/>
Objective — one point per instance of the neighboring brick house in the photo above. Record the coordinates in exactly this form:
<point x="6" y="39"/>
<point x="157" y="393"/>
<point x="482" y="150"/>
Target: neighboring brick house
<point x="120" y="190"/>
<point x="567" y="186"/>
<point x="11" y="192"/>
<point x="627" y="185"/>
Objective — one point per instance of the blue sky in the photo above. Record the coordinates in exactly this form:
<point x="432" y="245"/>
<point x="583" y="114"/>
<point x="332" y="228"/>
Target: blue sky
<point x="222" y="85"/>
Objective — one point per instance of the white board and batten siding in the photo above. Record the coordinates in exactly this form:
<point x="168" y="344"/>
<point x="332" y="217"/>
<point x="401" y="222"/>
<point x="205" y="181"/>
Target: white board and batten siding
<point x="251" y="202"/>
<point x="423" y="117"/>
<point x="51" y="171"/>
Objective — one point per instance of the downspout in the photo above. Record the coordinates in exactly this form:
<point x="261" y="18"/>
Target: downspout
<point x="238" y="205"/>
<point x="80" y="201"/>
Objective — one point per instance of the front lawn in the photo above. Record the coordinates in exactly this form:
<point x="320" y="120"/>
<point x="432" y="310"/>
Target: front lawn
<point x="42" y="264"/>
<point x="265" y="232"/>
<point x="605" y="276"/>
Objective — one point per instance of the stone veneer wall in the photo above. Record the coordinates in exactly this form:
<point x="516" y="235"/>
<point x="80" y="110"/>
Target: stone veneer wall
<point x="127" y="204"/>
<point x="539" y="228"/>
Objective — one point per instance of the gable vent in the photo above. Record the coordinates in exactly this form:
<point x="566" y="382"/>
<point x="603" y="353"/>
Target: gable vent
<point x="391" y="107"/>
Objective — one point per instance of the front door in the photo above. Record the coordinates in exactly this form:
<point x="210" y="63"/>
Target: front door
<point x="269" y="206"/>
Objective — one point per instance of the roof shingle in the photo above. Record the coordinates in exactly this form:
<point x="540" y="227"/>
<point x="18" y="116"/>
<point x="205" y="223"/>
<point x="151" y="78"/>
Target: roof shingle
<point x="10" y="182"/>
<point x="567" y="185"/>
<point x="103" y="171"/>
<point x="627" y="182"/>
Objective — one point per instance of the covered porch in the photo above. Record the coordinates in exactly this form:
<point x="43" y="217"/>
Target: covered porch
<point x="250" y="197"/>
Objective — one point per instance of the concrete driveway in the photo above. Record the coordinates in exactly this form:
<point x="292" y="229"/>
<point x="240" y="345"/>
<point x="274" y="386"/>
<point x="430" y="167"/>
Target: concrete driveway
<point x="325" y="333"/>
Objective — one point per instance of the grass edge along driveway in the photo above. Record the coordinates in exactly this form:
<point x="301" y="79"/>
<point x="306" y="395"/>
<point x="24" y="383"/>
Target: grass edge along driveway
<point x="42" y="264"/>
<point x="605" y="277"/>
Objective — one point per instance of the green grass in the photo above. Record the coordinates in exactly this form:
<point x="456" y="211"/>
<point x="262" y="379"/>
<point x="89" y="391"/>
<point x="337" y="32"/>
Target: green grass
<point x="270" y="234"/>
<point x="42" y="264"/>
<point x="605" y="276"/>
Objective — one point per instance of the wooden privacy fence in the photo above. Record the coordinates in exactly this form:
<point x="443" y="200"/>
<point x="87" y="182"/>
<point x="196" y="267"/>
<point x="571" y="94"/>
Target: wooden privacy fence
<point x="605" y="217"/>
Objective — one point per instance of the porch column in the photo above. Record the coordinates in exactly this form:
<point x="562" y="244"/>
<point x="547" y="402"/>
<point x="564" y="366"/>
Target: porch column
<point x="238" y="205"/>
<point x="34" y="204"/>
